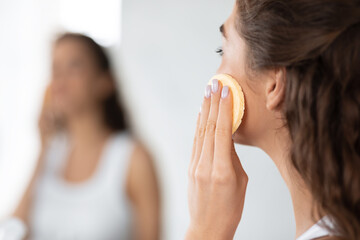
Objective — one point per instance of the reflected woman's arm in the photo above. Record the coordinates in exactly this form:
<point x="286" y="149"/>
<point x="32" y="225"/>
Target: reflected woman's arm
<point x="47" y="126"/>
<point x="23" y="208"/>
<point x="143" y="190"/>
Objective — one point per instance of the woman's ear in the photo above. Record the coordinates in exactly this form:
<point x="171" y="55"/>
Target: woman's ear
<point x="275" y="89"/>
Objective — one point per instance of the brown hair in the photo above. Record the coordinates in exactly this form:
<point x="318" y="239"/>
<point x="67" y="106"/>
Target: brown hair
<point x="113" y="111"/>
<point x="318" y="43"/>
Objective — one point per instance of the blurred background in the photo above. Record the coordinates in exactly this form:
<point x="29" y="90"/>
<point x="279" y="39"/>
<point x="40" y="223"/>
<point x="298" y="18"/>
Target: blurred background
<point x="163" y="53"/>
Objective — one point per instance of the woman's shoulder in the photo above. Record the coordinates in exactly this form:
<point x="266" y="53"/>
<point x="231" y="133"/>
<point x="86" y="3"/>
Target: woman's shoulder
<point x="140" y="157"/>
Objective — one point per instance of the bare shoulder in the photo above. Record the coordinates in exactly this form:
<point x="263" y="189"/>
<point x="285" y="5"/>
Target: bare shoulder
<point x="143" y="190"/>
<point x="142" y="177"/>
<point x="141" y="163"/>
<point x="141" y="159"/>
<point x="140" y="151"/>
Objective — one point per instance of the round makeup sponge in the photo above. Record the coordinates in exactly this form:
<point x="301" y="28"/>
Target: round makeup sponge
<point x="238" y="97"/>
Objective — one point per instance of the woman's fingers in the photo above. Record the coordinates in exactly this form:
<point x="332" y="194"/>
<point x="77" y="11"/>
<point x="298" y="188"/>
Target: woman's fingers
<point x="192" y="160"/>
<point x="223" y="134"/>
<point x="213" y="147"/>
<point x="194" y="143"/>
<point x="200" y="131"/>
<point x="207" y="153"/>
<point x="217" y="186"/>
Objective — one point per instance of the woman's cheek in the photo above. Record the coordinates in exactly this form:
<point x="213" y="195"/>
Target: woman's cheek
<point x="254" y="121"/>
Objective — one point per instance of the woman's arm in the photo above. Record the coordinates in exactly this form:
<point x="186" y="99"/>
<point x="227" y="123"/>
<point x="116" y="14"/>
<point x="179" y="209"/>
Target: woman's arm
<point x="143" y="190"/>
<point x="22" y="210"/>
<point x="47" y="125"/>
<point x="20" y="216"/>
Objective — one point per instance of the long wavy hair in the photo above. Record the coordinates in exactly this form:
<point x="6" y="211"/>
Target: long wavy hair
<point x="112" y="109"/>
<point x="318" y="43"/>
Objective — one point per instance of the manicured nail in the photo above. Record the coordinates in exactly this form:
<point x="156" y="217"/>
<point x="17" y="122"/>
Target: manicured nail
<point x="215" y="85"/>
<point x="200" y="109"/>
<point x="225" y="92"/>
<point x="208" y="91"/>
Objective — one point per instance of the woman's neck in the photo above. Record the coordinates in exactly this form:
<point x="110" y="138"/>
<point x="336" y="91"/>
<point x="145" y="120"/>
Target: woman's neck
<point x="277" y="144"/>
<point x="87" y="128"/>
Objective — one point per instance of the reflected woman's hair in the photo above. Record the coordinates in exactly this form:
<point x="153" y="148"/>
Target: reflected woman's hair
<point x="113" y="110"/>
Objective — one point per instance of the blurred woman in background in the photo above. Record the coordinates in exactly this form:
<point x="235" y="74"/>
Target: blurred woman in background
<point x="93" y="179"/>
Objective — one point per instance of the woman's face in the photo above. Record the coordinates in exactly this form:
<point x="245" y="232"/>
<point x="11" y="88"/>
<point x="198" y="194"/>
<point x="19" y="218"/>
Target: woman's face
<point x="256" y="118"/>
<point x="75" y="78"/>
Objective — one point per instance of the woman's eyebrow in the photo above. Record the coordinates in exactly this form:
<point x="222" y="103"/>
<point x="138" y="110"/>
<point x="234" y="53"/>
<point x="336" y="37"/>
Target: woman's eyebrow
<point x="222" y="30"/>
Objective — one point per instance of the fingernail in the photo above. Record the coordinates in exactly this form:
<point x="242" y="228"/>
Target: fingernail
<point x="225" y="92"/>
<point x="215" y="85"/>
<point x="200" y="108"/>
<point x="208" y="91"/>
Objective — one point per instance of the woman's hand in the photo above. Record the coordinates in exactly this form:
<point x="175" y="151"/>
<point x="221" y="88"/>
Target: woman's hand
<point x="47" y="125"/>
<point x="217" y="181"/>
<point x="48" y="122"/>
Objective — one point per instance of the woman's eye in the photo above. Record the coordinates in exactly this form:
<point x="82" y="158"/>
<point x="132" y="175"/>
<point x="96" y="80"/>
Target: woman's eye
<point x="219" y="51"/>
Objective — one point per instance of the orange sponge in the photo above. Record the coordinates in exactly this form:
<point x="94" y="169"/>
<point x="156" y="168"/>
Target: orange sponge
<point x="238" y="98"/>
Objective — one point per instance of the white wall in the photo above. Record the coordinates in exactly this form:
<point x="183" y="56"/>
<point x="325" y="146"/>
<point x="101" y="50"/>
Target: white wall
<point x="167" y="58"/>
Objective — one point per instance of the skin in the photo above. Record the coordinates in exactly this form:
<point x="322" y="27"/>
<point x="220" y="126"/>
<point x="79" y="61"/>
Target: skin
<point x="217" y="181"/>
<point x="77" y="87"/>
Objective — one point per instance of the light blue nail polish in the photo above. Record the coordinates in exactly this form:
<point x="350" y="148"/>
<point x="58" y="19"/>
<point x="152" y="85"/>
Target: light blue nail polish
<point x="208" y="91"/>
<point x="225" y="92"/>
<point x="215" y="85"/>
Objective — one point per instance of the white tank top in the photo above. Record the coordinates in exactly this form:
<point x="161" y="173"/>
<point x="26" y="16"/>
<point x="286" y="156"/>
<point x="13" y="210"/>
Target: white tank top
<point x="317" y="230"/>
<point x="97" y="209"/>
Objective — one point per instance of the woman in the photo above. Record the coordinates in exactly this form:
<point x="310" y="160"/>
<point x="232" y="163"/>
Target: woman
<point x="298" y="62"/>
<point x="94" y="180"/>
